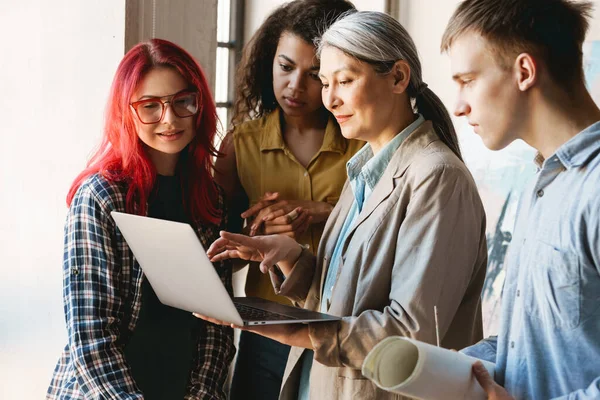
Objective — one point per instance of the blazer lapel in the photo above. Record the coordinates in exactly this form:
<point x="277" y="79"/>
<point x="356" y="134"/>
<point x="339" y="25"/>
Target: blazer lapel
<point x="332" y="230"/>
<point x="381" y="191"/>
<point x="399" y="163"/>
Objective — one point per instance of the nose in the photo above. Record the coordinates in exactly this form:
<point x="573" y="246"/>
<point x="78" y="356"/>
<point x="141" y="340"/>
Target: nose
<point x="331" y="100"/>
<point x="169" y="116"/>
<point x="461" y="108"/>
<point x="297" y="81"/>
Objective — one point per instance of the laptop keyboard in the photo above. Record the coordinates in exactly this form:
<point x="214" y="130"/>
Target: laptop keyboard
<point x="254" y="314"/>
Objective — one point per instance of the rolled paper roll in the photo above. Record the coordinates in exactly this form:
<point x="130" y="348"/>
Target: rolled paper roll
<point x="423" y="371"/>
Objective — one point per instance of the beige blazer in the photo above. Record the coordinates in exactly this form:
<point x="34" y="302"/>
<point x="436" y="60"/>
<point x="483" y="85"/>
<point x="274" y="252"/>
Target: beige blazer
<point x="419" y="242"/>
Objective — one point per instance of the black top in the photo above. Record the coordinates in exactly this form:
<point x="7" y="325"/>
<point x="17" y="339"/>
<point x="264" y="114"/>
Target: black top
<point x="162" y="348"/>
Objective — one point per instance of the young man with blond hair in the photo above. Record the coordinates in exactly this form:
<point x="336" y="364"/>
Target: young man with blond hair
<point x="519" y="69"/>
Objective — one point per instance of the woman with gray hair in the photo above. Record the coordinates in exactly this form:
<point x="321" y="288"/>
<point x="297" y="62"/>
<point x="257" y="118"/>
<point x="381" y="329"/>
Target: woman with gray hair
<point x="407" y="235"/>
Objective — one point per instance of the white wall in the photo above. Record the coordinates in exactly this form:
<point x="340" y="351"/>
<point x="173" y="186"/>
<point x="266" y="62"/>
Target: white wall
<point x="426" y="29"/>
<point x="594" y="32"/>
<point x="58" y="59"/>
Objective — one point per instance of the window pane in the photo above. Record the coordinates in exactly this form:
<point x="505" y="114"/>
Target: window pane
<point x="221" y="125"/>
<point x="223" y="18"/>
<point x="222" y="77"/>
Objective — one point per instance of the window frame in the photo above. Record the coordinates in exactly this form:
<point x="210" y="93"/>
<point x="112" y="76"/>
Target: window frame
<point x="234" y="46"/>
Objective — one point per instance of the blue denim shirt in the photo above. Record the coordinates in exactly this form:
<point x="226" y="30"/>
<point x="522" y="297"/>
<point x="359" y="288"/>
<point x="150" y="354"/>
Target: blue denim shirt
<point x="548" y="346"/>
<point x="364" y="171"/>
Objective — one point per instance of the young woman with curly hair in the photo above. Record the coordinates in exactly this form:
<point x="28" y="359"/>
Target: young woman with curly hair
<point x="285" y="161"/>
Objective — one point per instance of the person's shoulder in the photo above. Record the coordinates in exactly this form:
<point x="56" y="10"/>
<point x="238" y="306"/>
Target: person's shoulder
<point x="99" y="188"/>
<point x="431" y="151"/>
<point x="430" y="157"/>
<point x="250" y="129"/>
<point x="438" y="153"/>
<point x="249" y="136"/>
<point x="588" y="176"/>
<point x="592" y="166"/>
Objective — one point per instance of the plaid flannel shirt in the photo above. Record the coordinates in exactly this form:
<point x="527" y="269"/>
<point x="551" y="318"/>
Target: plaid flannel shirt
<point x="102" y="298"/>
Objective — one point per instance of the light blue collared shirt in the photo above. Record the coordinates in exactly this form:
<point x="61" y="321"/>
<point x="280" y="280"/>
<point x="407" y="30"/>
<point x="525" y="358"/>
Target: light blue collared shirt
<point x="364" y="171"/>
<point x="549" y="341"/>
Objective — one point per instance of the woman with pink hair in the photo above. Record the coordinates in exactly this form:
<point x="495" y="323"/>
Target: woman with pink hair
<point x="154" y="160"/>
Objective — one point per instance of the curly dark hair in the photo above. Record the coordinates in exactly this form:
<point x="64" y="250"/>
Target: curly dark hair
<point x="307" y="19"/>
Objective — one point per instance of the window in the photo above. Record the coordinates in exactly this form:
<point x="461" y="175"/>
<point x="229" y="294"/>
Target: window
<point x="229" y="46"/>
<point x="399" y="10"/>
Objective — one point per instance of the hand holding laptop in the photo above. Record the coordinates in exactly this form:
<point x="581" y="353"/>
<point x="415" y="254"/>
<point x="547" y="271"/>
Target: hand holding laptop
<point x="290" y="334"/>
<point x="268" y="250"/>
<point x="180" y="272"/>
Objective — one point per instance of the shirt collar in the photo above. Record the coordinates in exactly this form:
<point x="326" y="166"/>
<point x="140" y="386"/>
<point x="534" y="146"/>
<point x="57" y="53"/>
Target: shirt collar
<point x="371" y="168"/>
<point x="578" y="150"/>
<point x="272" y="138"/>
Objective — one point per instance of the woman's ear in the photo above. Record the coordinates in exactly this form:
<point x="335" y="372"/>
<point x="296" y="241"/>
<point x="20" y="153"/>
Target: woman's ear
<point x="401" y="73"/>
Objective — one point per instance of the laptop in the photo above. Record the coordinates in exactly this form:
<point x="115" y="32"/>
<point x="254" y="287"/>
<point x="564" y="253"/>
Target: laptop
<point x="183" y="277"/>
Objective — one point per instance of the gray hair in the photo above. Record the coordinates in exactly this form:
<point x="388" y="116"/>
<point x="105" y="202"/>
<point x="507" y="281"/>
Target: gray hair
<point x="379" y="40"/>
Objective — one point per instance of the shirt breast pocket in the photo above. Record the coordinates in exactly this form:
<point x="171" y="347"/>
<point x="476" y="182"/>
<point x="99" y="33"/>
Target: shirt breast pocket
<point x="555" y="286"/>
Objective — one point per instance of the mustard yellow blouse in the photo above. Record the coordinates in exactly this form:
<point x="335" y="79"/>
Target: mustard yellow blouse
<point x="265" y="164"/>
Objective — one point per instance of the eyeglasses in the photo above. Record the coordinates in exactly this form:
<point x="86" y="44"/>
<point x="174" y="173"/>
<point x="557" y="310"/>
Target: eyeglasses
<point x="152" y="111"/>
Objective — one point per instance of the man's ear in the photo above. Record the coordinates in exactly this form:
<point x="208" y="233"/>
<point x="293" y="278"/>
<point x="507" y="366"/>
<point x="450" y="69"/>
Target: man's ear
<point x="526" y="71"/>
<point x="401" y="73"/>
